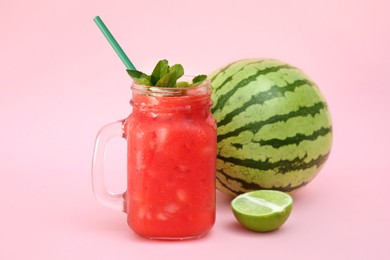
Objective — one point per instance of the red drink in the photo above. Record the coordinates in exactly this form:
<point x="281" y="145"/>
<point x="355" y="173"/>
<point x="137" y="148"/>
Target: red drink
<point x="171" y="162"/>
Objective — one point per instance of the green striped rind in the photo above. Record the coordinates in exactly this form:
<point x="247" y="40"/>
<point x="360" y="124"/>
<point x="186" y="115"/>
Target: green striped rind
<point x="274" y="128"/>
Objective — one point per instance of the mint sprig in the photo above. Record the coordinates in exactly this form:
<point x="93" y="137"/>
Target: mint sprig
<point x="165" y="76"/>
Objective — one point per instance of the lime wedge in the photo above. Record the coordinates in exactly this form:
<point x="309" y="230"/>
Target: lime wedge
<point x="262" y="210"/>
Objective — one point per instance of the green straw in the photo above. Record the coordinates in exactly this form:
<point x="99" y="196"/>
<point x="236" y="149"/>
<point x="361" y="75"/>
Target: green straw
<point x="122" y="55"/>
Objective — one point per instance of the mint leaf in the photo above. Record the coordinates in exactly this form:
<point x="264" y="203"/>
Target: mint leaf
<point x="169" y="79"/>
<point x="178" y="70"/>
<point x="159" y="71"/>
<point x="135" y="74"/>
<point x="199" y="79"/>
<point x="139" y="77"/>
<point x="143" y="81"/>
<point x="183" y="84"/>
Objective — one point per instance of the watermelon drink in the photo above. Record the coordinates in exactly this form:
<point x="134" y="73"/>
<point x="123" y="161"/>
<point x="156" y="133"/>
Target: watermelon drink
<point x="171" y="162"/>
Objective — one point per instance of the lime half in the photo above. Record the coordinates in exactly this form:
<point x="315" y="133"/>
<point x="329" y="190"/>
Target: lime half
<point x="262" y="210"/>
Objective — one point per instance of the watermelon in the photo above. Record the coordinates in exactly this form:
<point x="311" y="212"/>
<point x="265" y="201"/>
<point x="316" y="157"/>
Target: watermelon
<point x="274" y="127"/>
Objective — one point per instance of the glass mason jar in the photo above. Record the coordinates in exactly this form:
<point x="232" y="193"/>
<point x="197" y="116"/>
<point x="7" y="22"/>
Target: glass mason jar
<point x="171" y="162"/>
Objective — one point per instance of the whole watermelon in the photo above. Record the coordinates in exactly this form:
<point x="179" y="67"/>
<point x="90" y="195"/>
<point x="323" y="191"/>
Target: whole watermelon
<point x="274" y="127"/>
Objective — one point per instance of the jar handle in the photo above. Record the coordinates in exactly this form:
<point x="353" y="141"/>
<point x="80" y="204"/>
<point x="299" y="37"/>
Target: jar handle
<point x="104" y="196"/>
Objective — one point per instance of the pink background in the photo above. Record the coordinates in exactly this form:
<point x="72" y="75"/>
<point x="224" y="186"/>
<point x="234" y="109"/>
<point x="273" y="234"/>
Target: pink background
<point x="60" y="82"/>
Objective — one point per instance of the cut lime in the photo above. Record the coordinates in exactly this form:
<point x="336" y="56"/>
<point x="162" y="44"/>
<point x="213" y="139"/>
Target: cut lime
<point x="262" y="210"/>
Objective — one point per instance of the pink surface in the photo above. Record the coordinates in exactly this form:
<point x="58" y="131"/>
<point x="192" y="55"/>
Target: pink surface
<point x="60" y="82"/>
